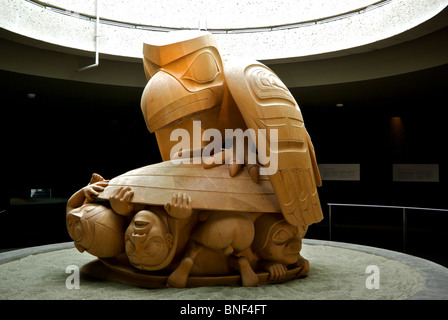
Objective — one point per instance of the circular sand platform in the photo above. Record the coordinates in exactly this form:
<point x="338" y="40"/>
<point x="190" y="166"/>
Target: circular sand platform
<point x="339" y="271"/>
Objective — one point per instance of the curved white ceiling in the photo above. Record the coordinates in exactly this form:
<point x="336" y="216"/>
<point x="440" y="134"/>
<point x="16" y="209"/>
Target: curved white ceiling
<point x="264" y="30"/>
<point x="229" y="14"/>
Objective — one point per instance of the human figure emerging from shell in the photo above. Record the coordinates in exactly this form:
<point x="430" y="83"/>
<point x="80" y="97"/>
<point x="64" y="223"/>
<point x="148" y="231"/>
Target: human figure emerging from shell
<point x="189" y="224"/>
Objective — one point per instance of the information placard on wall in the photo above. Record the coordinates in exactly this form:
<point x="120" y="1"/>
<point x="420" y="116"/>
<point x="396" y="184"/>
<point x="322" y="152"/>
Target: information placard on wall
<point x="340" y="171"/>
<point x="416" y="172"/>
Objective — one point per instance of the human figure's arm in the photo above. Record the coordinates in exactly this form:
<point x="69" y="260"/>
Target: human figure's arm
<point x="235" y="160"/>
<point x="180" y="206"/>
<point x="276" y="270"/>
<point x="121" y="203"/>
<point x="86" y="194"/>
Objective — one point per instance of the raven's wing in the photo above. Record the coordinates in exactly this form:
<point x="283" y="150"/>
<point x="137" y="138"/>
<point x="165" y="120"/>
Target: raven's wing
<point x="266" y="103"/>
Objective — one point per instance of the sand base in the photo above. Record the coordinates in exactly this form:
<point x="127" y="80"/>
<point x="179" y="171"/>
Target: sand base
<point x="338" y="271"/>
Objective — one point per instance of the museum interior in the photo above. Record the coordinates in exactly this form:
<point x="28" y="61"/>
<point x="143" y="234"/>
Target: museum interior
<point x="370" y="78"/>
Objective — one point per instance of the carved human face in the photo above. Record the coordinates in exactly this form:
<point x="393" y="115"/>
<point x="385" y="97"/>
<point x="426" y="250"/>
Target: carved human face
<point x="147" y="240"/>
<point x="284" y="245"/>
<point x="96" y="229"/>
<point x="80" y="224"/>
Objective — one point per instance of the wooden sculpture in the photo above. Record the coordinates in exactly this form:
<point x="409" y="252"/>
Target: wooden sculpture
<point x="188" y="82"/>
<point x="196" y="218"/>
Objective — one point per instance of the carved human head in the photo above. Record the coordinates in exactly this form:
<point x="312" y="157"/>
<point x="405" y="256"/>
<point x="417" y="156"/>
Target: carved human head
<point x="276" y="240"/>
<point x="148" y="240"/>
<point x="96" y="229"/>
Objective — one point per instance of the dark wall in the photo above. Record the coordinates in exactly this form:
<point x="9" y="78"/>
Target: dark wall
<point x="62" y="136"/>
<point x="56" y="141"/>
<point x="387" y="124"/>
<point x="369" y="138"/>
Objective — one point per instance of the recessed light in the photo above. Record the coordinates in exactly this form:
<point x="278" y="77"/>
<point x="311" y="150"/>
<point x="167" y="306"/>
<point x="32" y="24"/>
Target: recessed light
<point x="339" y="105"/>
<point x="31" y="95"/>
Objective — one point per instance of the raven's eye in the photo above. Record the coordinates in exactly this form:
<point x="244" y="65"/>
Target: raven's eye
<point x="203" y="69"/>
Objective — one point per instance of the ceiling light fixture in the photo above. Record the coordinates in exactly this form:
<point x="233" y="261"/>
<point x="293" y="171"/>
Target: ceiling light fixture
<point x="339" y="105"/>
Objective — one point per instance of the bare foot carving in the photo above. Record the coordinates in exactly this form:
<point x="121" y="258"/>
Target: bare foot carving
<point x="248" y="276"/>
<point x="178" y="278"/>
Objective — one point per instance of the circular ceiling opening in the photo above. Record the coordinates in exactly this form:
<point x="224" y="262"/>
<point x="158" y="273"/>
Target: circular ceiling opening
<point x="260" y="29"/>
